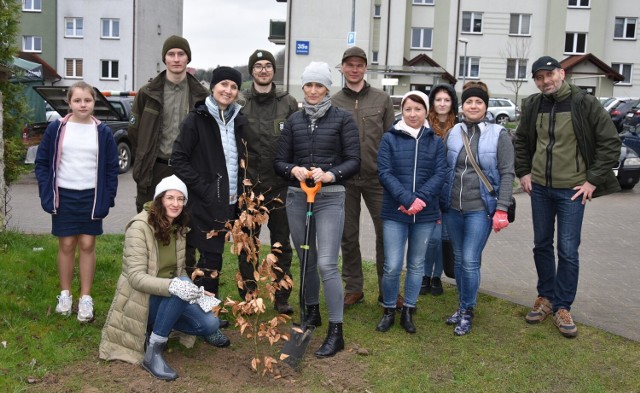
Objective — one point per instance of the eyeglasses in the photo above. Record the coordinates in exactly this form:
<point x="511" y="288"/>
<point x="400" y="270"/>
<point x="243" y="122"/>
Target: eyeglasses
<point x="171" y="199"/>
<point x="260" y="67"/>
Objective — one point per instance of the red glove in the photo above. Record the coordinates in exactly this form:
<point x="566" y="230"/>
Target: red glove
<point x="500" y="220"/>
<point x="417" y="206"/>
<point x="405" y="211"/>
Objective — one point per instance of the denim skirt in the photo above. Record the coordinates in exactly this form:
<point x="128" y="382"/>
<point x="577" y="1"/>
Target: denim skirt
<point x="74" y="214"/>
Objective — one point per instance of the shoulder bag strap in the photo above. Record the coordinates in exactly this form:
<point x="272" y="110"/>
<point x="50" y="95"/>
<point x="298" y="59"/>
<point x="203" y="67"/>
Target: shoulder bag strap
<point x="475" y="165"/>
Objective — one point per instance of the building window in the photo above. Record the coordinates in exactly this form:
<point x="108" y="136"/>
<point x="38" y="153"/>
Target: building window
<point x="579" y="3"/>
<point x="73" y="68"/>
<point x="421" y="37"/>
<point x="374" y="57"/>
<point x="575" y="43"/>
<point x="110" y="28"/>
<point x="471" y="69"/>
<point x="624" y="70"/>
<point x="424" y="2"/>
<point x="520" y="24"/>
<point x="376" y="11"/>
<point x="472" y="22"/>
<point x="32" y="5"/>
<point x="625" y="28"/>
<point x="516" y="69"/>
<point x="109" y="69"/>
<point x="31" y="43"/>
<point x="73" y="27"/>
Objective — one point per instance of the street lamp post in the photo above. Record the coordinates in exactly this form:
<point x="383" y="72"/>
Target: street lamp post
<point x="464" y="65"/>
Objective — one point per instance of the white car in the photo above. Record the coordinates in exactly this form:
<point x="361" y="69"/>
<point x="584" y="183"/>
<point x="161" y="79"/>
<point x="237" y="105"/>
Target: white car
<point x="50" y="113"/>
<point x="503" y="110"/>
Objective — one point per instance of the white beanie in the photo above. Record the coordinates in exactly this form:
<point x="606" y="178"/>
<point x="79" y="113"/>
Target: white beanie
<point x="418" y="93"/>
<point x="319" y="72"/>
<point x="171" y="183"/>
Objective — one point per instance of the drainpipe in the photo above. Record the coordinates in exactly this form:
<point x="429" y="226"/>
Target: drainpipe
<point x="455" y="57"/>
<point x="289" y="44"/>
<point x="133" y="49"/>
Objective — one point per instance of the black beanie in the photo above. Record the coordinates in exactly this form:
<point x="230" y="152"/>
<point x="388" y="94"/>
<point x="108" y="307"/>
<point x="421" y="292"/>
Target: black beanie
<point x="176" y="42"/>
<point x="261" y="54"/>
<point x="221" y="73"/>
<point x="475" y="92"/>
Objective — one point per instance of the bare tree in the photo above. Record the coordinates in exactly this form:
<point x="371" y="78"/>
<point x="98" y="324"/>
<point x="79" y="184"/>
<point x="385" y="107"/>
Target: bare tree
<point x="516" y="54"/>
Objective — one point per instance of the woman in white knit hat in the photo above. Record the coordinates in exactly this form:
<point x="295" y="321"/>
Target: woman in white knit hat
<point x="154" y="295"/>
<point x="321" y="143"/>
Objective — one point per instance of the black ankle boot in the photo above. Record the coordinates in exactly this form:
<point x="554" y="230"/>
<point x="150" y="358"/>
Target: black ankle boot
<point x="155" y="364"/>
<point x="333" y="343"/>
<point x="313" y="316"/>
<point x="388" y="319"/>
<point x="405" y="320"/>
<point x="281" y="304"/>
<point x="426" y="285"/>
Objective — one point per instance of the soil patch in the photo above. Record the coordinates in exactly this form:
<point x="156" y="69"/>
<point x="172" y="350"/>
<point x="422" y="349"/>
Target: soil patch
<point x="208" y="369"/>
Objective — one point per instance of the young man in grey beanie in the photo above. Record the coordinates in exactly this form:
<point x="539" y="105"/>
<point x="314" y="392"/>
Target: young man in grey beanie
<point x="373" y="111"/>
<point x="267" y="108"/>
<point x="158" y="109"/>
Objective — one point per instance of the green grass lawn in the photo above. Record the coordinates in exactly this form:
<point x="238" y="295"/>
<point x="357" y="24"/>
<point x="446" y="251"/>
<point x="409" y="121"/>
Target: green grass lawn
<point x="502" y="353"/>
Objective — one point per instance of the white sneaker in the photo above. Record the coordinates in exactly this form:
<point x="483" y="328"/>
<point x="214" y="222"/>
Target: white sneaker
<point x="85" y="309"/>
<point x="64" y="304"/>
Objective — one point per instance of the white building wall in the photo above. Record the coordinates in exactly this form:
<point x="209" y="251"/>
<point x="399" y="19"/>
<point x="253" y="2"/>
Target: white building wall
<point x="155" y="21"/>
<point x="144" y="25"/>
<point x="550" y="20"/>
<point x="90" y="47"/>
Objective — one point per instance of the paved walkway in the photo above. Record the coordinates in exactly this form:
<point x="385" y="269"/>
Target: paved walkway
<point x="608" y="291"/>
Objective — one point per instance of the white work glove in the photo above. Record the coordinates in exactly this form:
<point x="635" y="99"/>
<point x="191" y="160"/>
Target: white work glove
<point x="185" y="290"/>
<point x="207" y="303"/>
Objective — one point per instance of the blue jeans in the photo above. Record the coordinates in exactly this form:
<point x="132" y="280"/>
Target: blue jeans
<point x="325" y="233"/>
<point x="433" y="259"/>
<point x="173" y="313"/>
<point x="469" y="232"/>
<point x="547" y="204"/>
<point x="396" y="235"/>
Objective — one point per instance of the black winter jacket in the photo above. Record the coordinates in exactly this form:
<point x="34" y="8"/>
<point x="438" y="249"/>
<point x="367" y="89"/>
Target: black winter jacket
<point x="333" y="146"/>
<point x="198" y="160"/>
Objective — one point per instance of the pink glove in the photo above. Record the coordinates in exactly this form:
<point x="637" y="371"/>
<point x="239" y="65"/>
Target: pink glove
<point x="500" y="220"/>
<point x="405" y="211"/>
<point x="417" y="206"/>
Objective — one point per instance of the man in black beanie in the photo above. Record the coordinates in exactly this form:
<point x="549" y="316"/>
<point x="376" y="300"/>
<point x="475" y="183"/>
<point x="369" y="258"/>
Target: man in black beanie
<point x="267" y="108"/>
<point x="158" y="109"/>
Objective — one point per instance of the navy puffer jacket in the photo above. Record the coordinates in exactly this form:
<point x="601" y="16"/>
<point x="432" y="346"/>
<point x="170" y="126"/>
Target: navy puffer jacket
<point x="411" y="168"/>
<point x="333" y="146"/>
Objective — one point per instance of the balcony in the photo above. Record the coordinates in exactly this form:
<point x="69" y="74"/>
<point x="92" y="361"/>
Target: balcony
<point x="277" y="31"/>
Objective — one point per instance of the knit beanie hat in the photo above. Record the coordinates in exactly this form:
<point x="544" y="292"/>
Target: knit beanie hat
<point x="319" y="72"/>
<point x="261" y="54"/>
<point x="475" y="92"/>
<point x="418" y="93"/>
<point x="171" y="183"/>
<point x="222" y="73"/>
<point x="176" y="42"/>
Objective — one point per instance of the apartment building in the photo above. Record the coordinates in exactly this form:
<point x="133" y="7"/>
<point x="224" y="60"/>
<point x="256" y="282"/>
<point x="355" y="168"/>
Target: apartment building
<point x="111" y="44"/>
<point x="415" y="44"/>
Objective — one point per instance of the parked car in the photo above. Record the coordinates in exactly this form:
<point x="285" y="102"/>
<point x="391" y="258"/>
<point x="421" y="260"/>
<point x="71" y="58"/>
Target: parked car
<point x="51" y="114"/>
<point x="611" y="102"/>
<point x="619" y="112"/>
<point x="632" y="118"/>
<point x="114" y="111"/>
<point x="503" y="110"/>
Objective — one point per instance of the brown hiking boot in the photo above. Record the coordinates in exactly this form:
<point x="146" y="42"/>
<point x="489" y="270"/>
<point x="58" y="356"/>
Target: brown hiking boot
<point x="563" y="321"/>
<point x="353" y="298"/>
<point x="541" y="309"/>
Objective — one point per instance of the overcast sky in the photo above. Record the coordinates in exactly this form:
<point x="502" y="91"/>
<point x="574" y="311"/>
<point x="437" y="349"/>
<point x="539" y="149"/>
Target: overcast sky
<point x="226" y="32"/>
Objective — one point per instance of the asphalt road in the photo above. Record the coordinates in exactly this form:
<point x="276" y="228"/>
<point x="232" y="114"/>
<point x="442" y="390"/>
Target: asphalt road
<point x="608" y="291"/>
